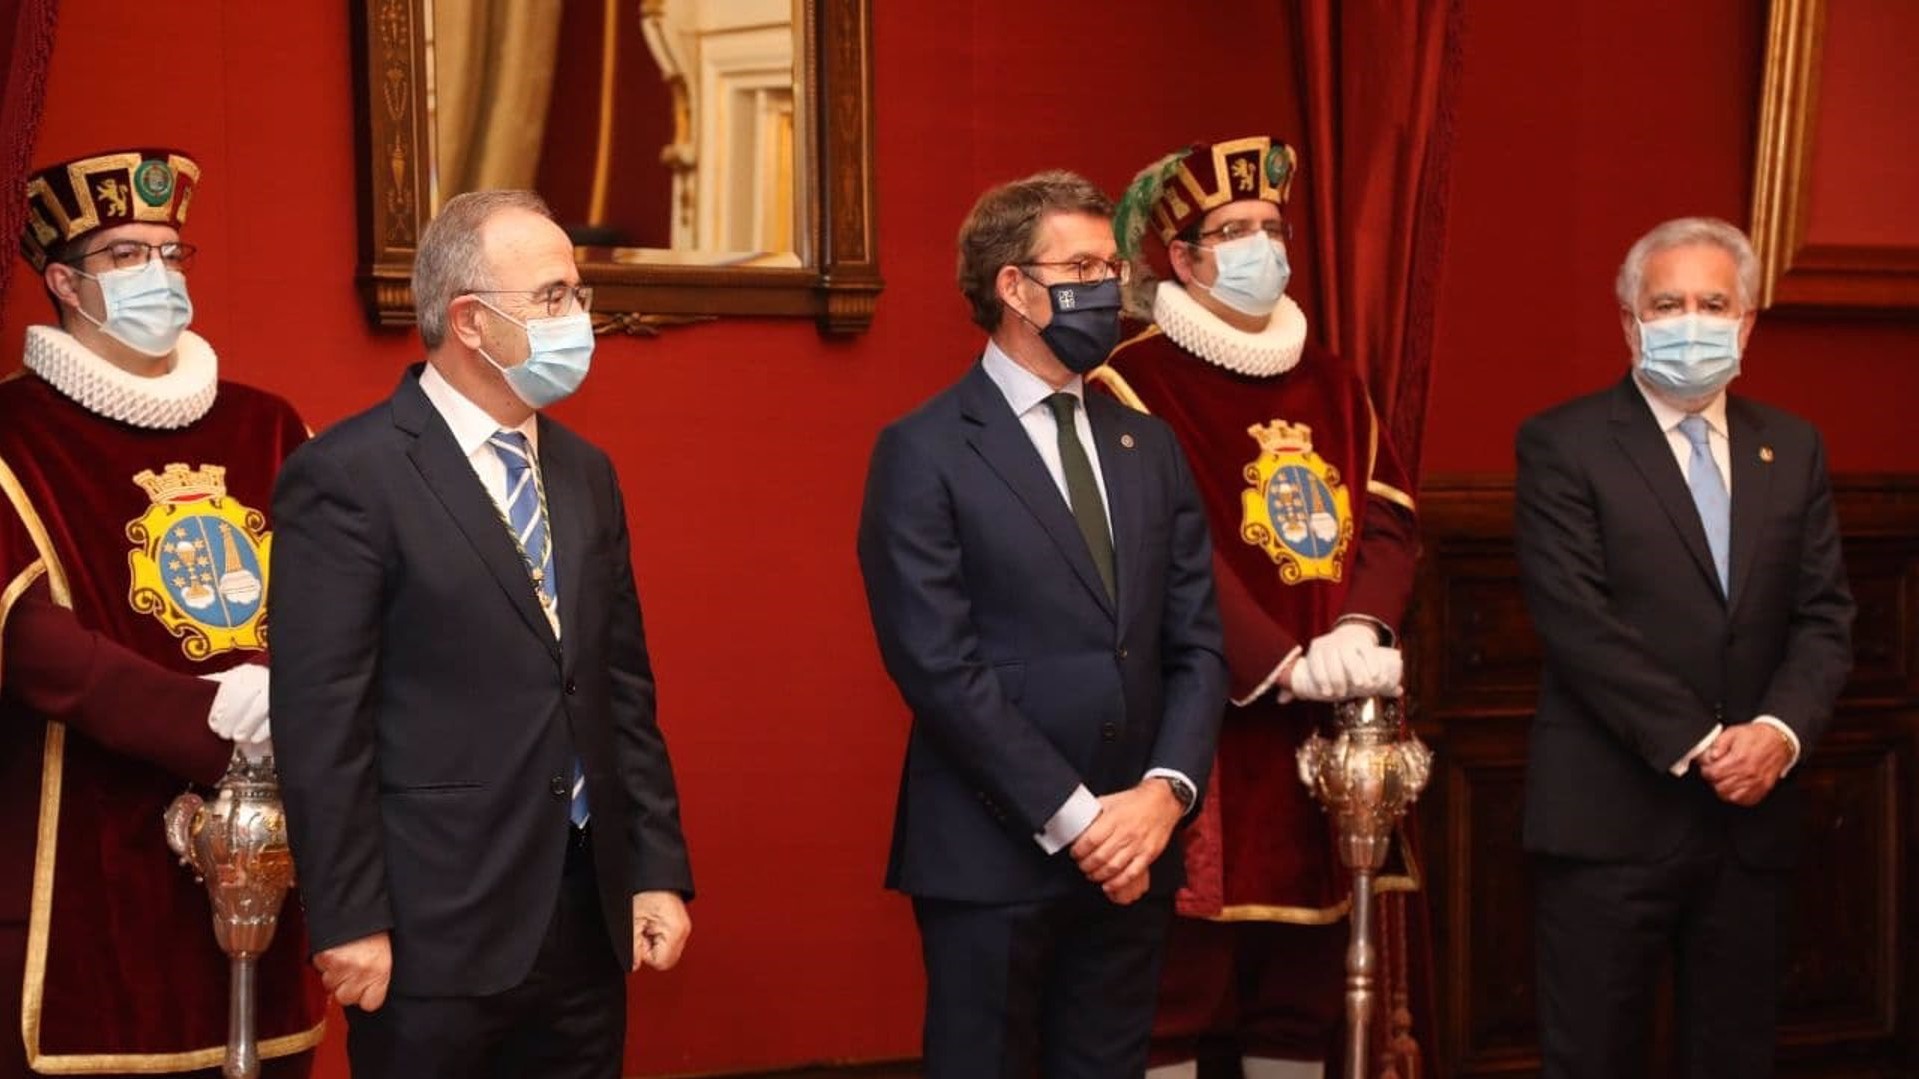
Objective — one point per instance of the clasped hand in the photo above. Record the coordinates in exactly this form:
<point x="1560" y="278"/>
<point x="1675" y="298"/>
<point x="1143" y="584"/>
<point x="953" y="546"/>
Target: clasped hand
<point x="1118" y="849"/>
<point x="1346" y="662"/>
<point x="1745" y="762"/>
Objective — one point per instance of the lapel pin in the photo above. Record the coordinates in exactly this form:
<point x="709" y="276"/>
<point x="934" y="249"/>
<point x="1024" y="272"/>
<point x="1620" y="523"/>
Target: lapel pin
<point x="1765" y="454"/>
<point x="1127" y="441"/>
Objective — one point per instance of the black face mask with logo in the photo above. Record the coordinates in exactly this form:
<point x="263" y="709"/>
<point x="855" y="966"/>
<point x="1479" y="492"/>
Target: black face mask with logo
<point x="1085" y="324"/>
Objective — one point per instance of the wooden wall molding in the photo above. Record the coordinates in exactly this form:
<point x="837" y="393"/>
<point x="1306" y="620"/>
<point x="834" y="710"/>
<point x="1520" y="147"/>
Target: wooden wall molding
<point x="1473" y="675"/>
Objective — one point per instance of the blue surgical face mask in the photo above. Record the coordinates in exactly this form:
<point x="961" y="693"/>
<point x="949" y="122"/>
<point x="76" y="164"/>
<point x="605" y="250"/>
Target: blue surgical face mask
<point x="1691" y="355"/>
<point x="1252" y="274"/>
<point x="559" y="353"/>
<point x="1085" y="324"/>
<point x="146" y="306"/>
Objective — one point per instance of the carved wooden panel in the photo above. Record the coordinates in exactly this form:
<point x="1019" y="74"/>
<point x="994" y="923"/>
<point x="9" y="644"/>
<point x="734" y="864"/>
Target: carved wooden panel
<point x="1841" y="972"/>
<point x="1487" y="942"/>
<point x="1847" y="1004"/>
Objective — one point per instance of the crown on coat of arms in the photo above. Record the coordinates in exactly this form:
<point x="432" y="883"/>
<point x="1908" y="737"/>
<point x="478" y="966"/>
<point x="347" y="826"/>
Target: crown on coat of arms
<point x="178" y="482"/>
<point x="1282" y="437"/>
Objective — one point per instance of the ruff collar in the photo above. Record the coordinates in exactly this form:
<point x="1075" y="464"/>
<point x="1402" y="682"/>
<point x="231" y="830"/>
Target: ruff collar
<point x="167" y="402"/>
<point x="1272" y="351"/>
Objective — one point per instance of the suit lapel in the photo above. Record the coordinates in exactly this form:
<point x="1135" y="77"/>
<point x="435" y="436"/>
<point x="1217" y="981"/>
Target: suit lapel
<point x="1645" y="445"/>
<point x="1751" y="490"/>
<point x="451" y="479"/>
<point x="1002" y="442"/>
<point x="567" y="506"/>
<point x="1119" y="465"/>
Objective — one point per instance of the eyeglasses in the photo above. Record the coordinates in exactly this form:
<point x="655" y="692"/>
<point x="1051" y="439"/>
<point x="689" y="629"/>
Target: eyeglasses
<point x="1276" y="231"/>
<point x="1090" y="271"/>
<point x="552" y="300"/>
<point x="132" y="254"/>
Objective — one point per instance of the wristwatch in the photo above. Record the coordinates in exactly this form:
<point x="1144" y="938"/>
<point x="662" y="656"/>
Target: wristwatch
<point x="1182" y="790"/>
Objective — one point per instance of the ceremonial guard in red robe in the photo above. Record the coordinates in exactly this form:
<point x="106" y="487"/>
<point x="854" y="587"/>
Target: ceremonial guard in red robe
<point x="1314" y="548"/>
<point x="133" y="564"/>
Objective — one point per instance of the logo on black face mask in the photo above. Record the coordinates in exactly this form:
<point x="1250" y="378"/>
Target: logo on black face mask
<point x="1067" y="300"/>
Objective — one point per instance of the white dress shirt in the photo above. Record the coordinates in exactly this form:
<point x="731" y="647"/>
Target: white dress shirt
<point x="1026" y="394"/>
<point x="1719" y="443"/>
<point x="471" y="428"/>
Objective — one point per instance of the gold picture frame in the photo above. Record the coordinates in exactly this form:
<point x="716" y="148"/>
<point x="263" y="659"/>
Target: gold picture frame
<point x="1798" y="267"/>
<point x="837" y="284"/>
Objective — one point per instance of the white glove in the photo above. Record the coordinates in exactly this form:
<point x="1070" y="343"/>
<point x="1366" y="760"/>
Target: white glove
<point x="1347" y="662"/>
<point x="239" y="712"/>
<point x="1299" y="681"/>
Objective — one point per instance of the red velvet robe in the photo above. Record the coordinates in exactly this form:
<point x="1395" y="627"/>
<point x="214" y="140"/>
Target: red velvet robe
<point x="102" y="723"/>
<point x="1312" y="519"/>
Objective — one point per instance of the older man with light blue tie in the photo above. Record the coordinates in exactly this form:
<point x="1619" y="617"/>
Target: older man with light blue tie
<point x="1680" y="559"/>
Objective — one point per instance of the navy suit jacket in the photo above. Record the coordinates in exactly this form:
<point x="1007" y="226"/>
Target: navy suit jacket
<point x="1025" y="679"/>
<point x="425" y="718"/>
<point x="1644" y="654"/>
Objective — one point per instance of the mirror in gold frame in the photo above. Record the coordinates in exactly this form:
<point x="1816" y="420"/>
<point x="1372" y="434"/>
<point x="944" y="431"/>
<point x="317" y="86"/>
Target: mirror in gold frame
<point x="724" y="169"/>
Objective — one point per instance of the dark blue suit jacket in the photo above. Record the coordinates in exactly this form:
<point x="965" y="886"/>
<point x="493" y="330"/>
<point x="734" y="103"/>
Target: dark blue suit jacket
<point x="425" y="717"/>
<point x="1643" y="652"/>
<point x="1024" y="678"/>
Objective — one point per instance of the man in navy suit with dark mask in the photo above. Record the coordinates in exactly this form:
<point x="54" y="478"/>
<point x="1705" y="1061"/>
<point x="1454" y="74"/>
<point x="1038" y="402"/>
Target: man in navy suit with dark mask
<point x="1038" y="570"/>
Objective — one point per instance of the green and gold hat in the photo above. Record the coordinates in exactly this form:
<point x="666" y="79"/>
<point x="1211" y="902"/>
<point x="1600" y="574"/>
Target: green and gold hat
<point x="1180" y="189"/>
<point x="77" y="198"/>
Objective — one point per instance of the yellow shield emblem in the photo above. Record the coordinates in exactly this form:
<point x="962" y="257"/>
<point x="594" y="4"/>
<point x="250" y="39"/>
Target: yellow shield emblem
<point x="1296" y="510"/>
<point x="199" y="561"/>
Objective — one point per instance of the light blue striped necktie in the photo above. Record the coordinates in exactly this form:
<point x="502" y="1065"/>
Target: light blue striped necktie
<point x="1709" y="495"/>
<point x="528" y="522"/>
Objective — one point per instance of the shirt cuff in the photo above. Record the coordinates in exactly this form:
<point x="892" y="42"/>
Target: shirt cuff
<point x="1387" y="638"/>
<point x="1685" y="762"/>
<point x="1073" y="818"/>
<point x="1792" y="738"/>
<point x="1174" y="773"/>
<point x="1271" y="681"/>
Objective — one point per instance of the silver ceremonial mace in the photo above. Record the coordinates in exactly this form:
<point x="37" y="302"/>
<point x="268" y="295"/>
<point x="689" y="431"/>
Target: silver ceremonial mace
<point x="1366" y="776"/>
<point x="237" y="845"/>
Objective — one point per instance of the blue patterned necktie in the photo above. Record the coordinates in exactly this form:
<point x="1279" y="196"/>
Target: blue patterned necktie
<point x="528" y="523"/>
<point x="1709" y="495"/>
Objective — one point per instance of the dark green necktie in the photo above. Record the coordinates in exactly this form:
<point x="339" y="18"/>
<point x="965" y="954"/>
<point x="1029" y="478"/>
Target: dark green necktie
<point x="1082" y="490"/>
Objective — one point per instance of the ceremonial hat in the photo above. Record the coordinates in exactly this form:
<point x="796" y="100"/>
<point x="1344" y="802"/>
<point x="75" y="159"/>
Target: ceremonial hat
<point x="77" y="198"/>
<point x="1179" y="190"/>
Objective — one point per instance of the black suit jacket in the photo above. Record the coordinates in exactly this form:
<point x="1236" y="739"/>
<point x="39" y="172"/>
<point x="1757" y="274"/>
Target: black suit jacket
<point x="425" y="719"/>
<point x="1643" y="653"/>
<point x="1024" y="678"/>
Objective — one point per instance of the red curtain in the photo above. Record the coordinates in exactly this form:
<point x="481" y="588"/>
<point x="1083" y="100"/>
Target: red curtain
<point x="29" y="53"/>
<point x="1378" y="90"/>
<point x="1378" y="80"/>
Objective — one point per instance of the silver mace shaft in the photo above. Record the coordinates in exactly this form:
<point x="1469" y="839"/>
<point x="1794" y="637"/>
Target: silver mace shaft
<point x="1362" y="962"/>
<point x="243" y="1049"/>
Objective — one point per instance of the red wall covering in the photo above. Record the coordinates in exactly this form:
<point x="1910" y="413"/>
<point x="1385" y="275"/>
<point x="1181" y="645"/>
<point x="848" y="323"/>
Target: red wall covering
<point x="742" y="445"/>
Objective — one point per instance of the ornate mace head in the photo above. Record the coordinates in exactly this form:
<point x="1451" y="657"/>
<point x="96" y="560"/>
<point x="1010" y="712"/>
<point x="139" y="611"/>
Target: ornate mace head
<point x="237" y="845"/>
<point x="1366" y="776"/>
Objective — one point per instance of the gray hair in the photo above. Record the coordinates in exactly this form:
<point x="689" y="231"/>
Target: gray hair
<point x="1682" y="232"/>
<point x="452" y="255"/>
